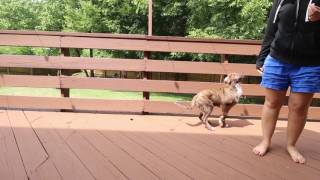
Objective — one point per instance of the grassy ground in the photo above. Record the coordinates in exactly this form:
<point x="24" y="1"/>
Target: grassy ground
<point x="97" y="94"/>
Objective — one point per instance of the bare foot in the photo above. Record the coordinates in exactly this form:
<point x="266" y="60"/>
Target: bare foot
<point x="295" y="155"/>
<point x="261" y="149"/>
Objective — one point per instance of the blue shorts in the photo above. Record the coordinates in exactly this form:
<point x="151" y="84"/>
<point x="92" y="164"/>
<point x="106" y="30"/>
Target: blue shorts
<point x="279" y="75"/>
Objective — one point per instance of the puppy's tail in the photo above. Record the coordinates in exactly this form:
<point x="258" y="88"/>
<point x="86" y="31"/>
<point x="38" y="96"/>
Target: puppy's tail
<point x="183" y="105"/>
<point x="194" y="125"/>
<point x="189" y="106"/>
<point x="194" y="100"/>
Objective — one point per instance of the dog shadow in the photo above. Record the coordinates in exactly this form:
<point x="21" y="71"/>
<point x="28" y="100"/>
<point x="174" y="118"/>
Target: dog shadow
<point x="239" y="123"/>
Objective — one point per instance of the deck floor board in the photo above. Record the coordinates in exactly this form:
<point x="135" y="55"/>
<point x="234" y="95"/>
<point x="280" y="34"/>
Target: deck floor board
<point x="56" y="145"/>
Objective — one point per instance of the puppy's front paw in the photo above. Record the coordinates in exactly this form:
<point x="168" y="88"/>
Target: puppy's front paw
<point x="227" y="126"/>
<point x="224" y="125"/>
<point x="221" y="123"/>
<point x="210" y="128"/>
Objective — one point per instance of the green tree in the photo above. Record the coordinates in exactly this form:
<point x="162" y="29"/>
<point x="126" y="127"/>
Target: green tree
<point x="83" y="16"/>
<point x="19" y="14"/>
<point x="51" y="15"/>
<point x="170" y="18"/>
<point x="231" y="19"/>
<point x="109" y="16"/>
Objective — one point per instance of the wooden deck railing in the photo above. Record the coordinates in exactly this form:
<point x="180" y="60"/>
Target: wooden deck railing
<point x="141" y="43"/>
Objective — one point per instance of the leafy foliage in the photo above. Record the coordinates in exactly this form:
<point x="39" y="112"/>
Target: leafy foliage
<point x="228" y="19"/>
<point x="18" y="14"/>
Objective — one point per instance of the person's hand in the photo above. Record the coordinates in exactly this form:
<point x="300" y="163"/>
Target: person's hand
<point x="260" y="70"/>
<point x="313" y="12"/>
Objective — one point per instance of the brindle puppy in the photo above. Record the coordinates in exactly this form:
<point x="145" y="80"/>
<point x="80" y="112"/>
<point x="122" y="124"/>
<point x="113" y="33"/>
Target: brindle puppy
<point x="225" y="97"/>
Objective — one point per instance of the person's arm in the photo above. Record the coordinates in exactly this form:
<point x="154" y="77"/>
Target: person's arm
<point x="268" y="37"/>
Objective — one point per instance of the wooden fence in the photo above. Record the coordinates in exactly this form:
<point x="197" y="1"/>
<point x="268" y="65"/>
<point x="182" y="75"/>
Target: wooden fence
<point x="141" y="43"/>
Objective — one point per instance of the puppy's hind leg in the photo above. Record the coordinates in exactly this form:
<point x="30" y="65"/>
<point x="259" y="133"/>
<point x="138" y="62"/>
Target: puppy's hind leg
<point x="200" y="116"/>
<point x="202" y="112"/>
<point x="206" y="116"/>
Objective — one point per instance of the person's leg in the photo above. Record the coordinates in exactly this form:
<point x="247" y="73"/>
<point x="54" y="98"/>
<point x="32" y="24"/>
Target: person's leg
<point x="298" y="108"/>
<point x="273" y="103"/>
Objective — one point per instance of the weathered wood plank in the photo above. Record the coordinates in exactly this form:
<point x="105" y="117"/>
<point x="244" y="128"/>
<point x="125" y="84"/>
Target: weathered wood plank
<point x="99" y="154"/>
<point x="65" y="161"/>
<point x="60" y="62"/>
<point x="137" y="43"/>
<point x="160" y="168"/>
<point x="161" y="107"/>
<point x="244" y="162"/>
<point x="174" y="143"/>
<point x="200" y="67"/>
<point x="210" y="163"/>
<point x="36" y="161"/>
<point x="174" y="159"/>
<point x="46" y="103"/>
<point x="30" y="81"/>
<point x="240" y="110"/>
<point x="118" y="84"/>
<point x="99" y="165"/>
<point x="63" y="62"/>
<point x="124" y="162"/>
<point x="33" y="154"/>
<point x="183" y="87"/>
<point x="11" y="165"/>
<point x="277" y="158"/>
<point x="30" y="40"/>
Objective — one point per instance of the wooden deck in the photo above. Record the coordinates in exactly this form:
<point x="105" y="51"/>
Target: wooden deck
<point x="54" y="145"/>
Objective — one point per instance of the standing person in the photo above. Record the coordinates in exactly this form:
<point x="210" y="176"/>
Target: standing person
<point x="289" y="57"/>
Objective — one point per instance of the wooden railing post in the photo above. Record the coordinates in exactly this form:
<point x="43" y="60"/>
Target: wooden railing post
<point x="91" y="71"/>
<point x="146" y="75"/>
<point x="223" y="59"/>
<point x="150" y="15"/>
<point x="65" y="92"/>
